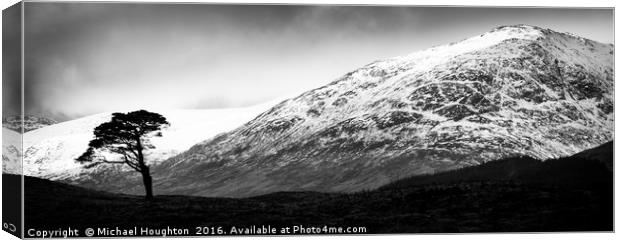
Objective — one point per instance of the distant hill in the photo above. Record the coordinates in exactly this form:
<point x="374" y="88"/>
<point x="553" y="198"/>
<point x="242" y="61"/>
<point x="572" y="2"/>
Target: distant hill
<point x="570" y="172"/>
<point x="31" y="122"/>
<point x="603" y="153"/>
<point x="50" y="150"/>
<point x="516" y="194"/>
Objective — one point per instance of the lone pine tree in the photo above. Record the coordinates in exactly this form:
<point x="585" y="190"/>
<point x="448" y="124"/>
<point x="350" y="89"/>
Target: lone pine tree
<point x="126" y="135"/>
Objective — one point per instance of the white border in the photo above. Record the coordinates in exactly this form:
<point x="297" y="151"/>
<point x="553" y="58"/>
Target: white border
<point x="521" y="3"/>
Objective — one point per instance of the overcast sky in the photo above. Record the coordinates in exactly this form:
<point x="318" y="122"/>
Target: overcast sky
<point x="86" y="58"/>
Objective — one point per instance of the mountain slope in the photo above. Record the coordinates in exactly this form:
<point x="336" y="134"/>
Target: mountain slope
<point x="30" y="122"/>
<point x="514" y="91"/>
<point x="49" y="152"/>
<point x="11" y="151"/>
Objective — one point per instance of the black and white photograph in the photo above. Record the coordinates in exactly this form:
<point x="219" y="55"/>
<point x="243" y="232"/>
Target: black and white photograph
<point x="144" y="119"/>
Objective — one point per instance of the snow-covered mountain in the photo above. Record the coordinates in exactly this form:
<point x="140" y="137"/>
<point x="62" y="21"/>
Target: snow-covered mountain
<point x="516" y="90"/>
<point x="49" y="152"/>
<point x="31" y="122"/>
<point x="11" y="151"/>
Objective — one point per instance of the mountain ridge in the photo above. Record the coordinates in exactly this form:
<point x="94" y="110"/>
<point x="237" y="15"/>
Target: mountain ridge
<point x="31" y="122"/>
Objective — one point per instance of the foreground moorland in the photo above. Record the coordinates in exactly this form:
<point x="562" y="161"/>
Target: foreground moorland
<point x="517" y="194"/>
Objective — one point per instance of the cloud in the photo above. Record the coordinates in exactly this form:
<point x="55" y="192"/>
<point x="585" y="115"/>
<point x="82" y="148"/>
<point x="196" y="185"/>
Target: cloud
<point x="85" y="58"/>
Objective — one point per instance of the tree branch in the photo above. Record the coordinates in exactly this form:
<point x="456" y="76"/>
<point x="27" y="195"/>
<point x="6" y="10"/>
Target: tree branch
<point x="131" y="164"/>
<point x="106" y="161"/>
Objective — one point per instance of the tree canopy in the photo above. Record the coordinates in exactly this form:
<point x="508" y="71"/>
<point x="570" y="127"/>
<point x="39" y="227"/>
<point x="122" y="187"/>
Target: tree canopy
<point x="126" y="134"/>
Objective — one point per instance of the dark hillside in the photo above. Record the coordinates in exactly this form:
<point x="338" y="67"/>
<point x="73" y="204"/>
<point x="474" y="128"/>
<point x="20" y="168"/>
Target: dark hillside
<point x="590" y="168"/>
<point x="518" y="194"/>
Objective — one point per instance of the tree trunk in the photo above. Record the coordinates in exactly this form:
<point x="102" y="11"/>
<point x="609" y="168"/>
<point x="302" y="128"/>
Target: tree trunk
<point x="146" y="174"/>
<point x="148" y="183"/>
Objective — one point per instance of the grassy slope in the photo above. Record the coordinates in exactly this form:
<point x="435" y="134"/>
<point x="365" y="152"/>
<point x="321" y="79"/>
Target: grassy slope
<point x="569" y="194"/>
